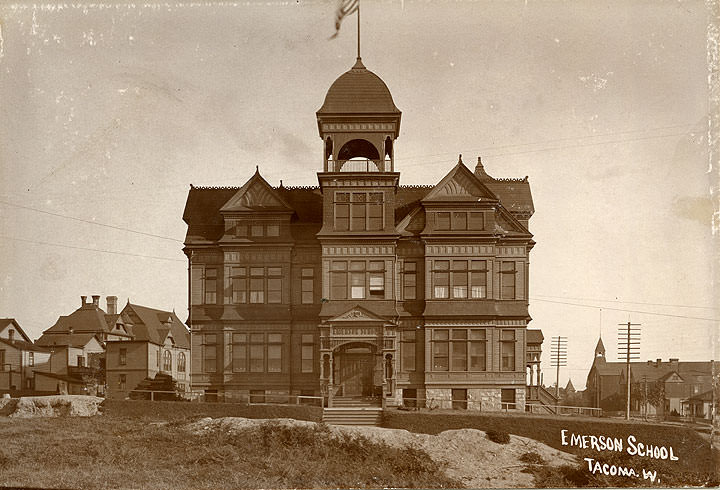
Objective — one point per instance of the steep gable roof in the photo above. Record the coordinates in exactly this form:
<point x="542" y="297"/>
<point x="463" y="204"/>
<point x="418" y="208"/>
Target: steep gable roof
<point x="148" y="325"/>
<point x="460" y="184"/>
<point x="78" y="340"/>
<point x="6" y="322"/>
<point x="255" y="195"/>
<point x="24" y="346"/>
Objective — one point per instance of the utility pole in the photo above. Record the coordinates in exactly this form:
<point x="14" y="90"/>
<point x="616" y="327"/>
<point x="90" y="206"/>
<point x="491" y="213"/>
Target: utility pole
<point x="558" y="357"/>
<point x="628" y="346"/>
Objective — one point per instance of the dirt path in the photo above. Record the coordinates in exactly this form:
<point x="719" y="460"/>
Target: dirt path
<point x="467" y="453"/>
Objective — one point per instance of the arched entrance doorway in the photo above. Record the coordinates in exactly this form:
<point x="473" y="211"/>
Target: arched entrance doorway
<point x="354" y="369"/>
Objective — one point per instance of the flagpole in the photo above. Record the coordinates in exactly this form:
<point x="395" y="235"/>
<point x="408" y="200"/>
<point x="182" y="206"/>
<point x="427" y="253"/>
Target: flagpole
<point x="358" y="19"/>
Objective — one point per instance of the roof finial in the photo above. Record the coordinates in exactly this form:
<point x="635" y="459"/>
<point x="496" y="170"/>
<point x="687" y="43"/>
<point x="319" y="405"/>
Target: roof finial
<point x="358" y="21"/>
<point x="460" y="158"/>
<point x="257" y="169"/>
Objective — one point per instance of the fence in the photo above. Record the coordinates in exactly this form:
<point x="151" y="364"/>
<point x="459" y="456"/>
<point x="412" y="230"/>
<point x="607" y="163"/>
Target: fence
<point x="563" y="410"/>
<point x="247" y="399"/>
<point x="449" y="404"/>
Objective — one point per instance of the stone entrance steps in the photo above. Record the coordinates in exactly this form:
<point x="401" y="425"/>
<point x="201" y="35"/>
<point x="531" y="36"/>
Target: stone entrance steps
<point x="353" y="416"/>
<point x="356" y="402"/>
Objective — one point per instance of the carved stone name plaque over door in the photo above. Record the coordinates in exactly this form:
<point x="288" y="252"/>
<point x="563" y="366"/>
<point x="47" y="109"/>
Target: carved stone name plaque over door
<point x="355" y="331"/>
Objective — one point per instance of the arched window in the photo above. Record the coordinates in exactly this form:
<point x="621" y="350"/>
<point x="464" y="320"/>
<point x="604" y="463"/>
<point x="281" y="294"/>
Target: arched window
<point x="181" y="362"/>
<point x="167" y="361"/>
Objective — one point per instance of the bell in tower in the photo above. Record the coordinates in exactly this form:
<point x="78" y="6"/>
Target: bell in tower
<point x="358" y="123"/>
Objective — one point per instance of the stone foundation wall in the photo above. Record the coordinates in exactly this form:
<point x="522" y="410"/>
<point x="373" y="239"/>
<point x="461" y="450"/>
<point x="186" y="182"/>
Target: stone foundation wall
<point x="438" y="397"/>
<point x="520" y="399"/>
<point x="485" y="399"/>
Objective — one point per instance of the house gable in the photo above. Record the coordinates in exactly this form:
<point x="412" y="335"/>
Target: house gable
<point x="8" y="325"/>
<point x="255" y="195"/>
<point x="460" y="184"/>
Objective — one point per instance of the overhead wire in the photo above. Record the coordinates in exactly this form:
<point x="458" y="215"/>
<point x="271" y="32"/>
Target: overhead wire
<point x="90" y="249"/>
<point x="627" y="310"/>
<point x="92" y="222"/>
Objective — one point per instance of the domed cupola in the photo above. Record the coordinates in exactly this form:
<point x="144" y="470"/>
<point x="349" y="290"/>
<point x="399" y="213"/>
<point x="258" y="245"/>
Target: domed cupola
<point x="358" y="123"/>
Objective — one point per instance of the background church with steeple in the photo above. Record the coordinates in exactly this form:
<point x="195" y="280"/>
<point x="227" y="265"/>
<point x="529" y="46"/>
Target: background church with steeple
<point x="361" y="288"/>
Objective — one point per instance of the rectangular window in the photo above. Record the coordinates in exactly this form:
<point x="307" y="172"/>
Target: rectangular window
<point x="2" y="360"/>
<point x="342" y="211"/>
<point x="507" y="280"/>
<point x="239" y="285"/>
<point x="409" y="280"/>
<point x="375" y="211"/>
<point x="81" y="361"/>
<point x="459" y="221"/>
<point x="507" y="350"/>
<point x="476" y="221"/>
<point x="122" y="361"/>
<point x="210" y="353"/>
<point x="210" y="286"/>
<point x="239" y="352"/>
<point x="257" y="285"/>
<point x="274" y="285"/>
<point x="358" y="211"/>
<point x="308" y="347"/>
<point x="240" y="231"/>
<point x="442" y="221"/>
<point x="377" y="279"/>
<point x="478" y="349"/>
<point x="459" y="398"/>
<point x="478" y="279"/>
<point x="459" y="279"/>
<point x="307" y="286"/>
<point x="407" y="346"/>
<point x="459" y="350"/>
<point x="274" y="353"/>
<point x="31" y="358"/>
<point x="441" y="279"/>
<point x="338" y="280"/>
<point x="122" y="382"/>
<point x="440" y="350"/>
<point x="357" y="280"/>
<point x="507" y="398"/>
<point x="273" y="230"/>
<point x="257" y="353"/>
<point x="256" y="230"/>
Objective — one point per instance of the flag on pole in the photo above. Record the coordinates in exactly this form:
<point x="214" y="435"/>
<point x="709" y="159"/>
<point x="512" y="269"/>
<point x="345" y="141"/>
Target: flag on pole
<point x="345" y="8"/>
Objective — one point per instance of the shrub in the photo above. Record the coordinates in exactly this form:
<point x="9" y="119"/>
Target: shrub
<point x="497" y="436"/>
<point x="532" y="457"/>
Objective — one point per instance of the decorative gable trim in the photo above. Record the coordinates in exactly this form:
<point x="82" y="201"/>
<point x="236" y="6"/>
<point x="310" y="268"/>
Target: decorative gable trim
<point x="460" y="184"/>
<point x="357" y="314"/>
<point x="255" y="195"/>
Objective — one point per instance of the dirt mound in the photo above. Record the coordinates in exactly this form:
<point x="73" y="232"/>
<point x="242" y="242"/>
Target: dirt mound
<point x="7" y="406"/>
<point x="57" y="406"/>
<point x="468" y="455"/>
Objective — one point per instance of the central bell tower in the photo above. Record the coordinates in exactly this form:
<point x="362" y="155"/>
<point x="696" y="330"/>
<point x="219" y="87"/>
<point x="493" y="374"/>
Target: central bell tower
<point x="358" y="123"/>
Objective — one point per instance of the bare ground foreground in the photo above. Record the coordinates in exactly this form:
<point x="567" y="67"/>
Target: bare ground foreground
<point x="60" y="442"/>
<point x="467" y="455"/>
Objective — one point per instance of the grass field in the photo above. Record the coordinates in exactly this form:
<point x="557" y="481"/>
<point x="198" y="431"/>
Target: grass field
<point x="129" y="447"/>
<point x="696" y="465"/>
<point x="144" y="444"/>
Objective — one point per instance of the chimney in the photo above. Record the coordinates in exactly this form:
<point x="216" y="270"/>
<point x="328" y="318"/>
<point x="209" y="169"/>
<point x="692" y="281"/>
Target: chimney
<point x="112" y="305"/>
<point x="84" y="300"/>
<point x="658" y="362"/>
<point x="674" y="362"/>
<point x="96" y="300"/>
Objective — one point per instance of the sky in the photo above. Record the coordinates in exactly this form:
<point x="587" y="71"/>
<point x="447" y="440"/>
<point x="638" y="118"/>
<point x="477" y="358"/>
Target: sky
<point x="110" y="112"/>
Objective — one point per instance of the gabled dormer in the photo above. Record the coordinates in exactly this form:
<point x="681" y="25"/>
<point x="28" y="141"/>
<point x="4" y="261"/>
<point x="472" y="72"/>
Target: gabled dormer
<point x="460" y="204"/>
<point x="256" y="213"/>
